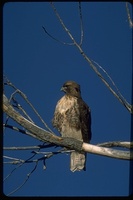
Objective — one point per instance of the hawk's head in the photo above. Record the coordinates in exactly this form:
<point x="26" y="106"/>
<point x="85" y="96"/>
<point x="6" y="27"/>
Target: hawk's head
<point x="71" y="88"/>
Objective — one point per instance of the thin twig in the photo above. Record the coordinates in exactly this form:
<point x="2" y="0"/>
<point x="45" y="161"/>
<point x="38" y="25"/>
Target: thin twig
<point x="15" y="160"/>
<point x="81" y="25"/>
<point x="21" y="109"/>
<point x="18" y="105"/>
<point x="18" y="129"/>
<point x="21" y="148"/>
<point x="19" y="161"/>
<point x="29" y="147"/>
<point x="113" y="83"/>
<point x="128" y="15"/>
<point x="57" y="40"/>
<point x="62" y="23"/>
<point x="81" y="30"/>
<point x="12" y="172"/>
<point x="28" y="176"/>
<point x="64" y="150"/>
<point x="45" y="156"/>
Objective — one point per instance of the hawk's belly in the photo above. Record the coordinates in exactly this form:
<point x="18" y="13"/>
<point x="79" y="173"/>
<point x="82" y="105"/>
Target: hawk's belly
<point x="66" y="118"/>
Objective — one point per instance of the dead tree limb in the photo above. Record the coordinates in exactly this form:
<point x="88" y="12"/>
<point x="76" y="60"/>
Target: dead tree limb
<point x="38" y="132"/>
<point x="70" y="143"/>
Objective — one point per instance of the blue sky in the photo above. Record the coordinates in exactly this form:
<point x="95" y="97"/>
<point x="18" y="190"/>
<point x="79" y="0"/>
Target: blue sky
<point x="38" y="66"/>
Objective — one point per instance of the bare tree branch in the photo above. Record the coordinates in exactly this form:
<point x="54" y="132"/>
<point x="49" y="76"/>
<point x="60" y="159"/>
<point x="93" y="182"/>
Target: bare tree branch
<point x="36" y="131"/>
<point x="125" y="155"/>
<point x="128" y="145"/>
<point x="12" y="172"/>
<point x="70" y="143"/>
<point x="20" y="162"/>
<point x="113" y="83"/>
<point x="46" y="155"/>
<point x="22" y="148"/>
<point x="121" y="100"/>
<point x="81" y="30"/>
<point x="57" y="40"/>
<point x="81" y="25"/>
<point x="129" y="16"/>
<point x="16" y="161"/>
<point x="17" y="105"/>
<point x="29" y="147"/>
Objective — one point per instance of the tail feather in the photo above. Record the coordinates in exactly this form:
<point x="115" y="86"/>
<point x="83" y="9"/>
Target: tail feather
<point x="77" y="161"/>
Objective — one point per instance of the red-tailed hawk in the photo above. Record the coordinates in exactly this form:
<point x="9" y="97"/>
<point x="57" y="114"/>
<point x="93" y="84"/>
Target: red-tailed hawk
<point x="72" y="118"/>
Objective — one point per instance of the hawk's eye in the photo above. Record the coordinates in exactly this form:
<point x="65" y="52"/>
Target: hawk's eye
<point x="66" y="86"/>
<point x="77" y="90"/>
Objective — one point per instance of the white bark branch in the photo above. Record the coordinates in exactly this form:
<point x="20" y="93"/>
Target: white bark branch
<point x="128" y="145"/>
<point x="125" y="155"/>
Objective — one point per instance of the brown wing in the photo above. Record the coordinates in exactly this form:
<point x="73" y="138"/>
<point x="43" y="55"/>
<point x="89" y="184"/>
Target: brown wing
<point x="85" y="120"/>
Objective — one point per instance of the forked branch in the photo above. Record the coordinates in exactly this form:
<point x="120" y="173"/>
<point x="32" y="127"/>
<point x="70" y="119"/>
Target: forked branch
<point x="119" y="96"/>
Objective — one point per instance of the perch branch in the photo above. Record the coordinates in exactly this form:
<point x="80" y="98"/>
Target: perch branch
<point x="125" y="155"/>
<point x="36" y="131"/>
<point x="128" y="145"/>
<point x="70" y="143"/>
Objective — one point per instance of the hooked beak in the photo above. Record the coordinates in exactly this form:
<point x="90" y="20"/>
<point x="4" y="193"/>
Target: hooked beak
<point x="63" y="89"/>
